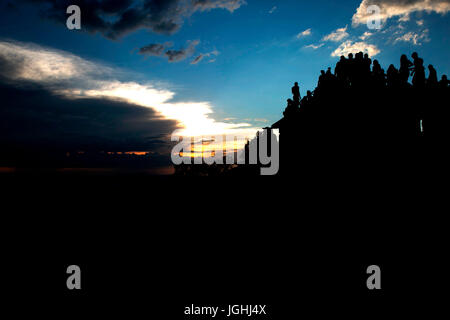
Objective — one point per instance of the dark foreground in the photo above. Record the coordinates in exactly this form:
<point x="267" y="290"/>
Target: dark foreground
<point x="154" y="245"/>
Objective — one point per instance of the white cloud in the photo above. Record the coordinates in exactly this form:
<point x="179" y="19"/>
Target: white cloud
<point x="305" y="33"/>
<point x="398" y="8"/>
<point x="74" y="77"/>
<point x="353" y="47"/>
<point x="420" y="22"/>
<point x="414" y="38"/>
<point x="315" y="46"/>
<point x="404" y="18"/>
<point x="273" y="9"/>
<point x="336" y="36"/>
<point x="366" y="35"/>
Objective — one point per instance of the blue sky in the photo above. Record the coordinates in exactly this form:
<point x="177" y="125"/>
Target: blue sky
<point x="254" y="50"/>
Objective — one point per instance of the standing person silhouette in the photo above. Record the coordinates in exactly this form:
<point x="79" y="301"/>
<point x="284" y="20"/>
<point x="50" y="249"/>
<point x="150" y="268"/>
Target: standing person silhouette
<point x="392" y="76"/>
<point x="405" y="69"/>
<point x="296" y="93"/>
<point x="378" y="74"/>
<point x="418" y="71"/>
<point x="367" y="63"/>
<point x="339" y="71"/>
<point x="350" y="68"/>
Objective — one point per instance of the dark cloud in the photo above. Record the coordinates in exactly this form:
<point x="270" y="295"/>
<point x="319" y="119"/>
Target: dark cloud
<point x="179" y="55"/>
<point x="154" y="49"/>
<point x="157" y="49"/>
<point x="116" y="18"/>
<point x="37" y="122"/>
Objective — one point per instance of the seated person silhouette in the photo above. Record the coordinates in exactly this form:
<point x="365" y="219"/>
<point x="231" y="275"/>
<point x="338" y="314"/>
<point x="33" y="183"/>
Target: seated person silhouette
<point x="432" y="80"/>
<point x="444" y="83"/>
<point x="290" y="109"/>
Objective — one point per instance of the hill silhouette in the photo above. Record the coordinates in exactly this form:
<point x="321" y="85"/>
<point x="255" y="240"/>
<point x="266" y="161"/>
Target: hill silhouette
<point x="363" y="119"/>
<point x="359" y="119"/>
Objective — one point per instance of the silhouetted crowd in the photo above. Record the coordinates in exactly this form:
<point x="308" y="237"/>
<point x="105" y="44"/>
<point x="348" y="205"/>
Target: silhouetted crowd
<point x="358" y="71"/>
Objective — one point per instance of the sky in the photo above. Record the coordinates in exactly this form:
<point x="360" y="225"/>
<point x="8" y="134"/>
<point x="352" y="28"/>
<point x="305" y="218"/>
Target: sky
<point x="202" y="66"/>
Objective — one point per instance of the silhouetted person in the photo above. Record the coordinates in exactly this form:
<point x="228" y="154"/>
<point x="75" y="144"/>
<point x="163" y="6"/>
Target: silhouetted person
<point x="330" y="77"/>
<point x="432" y="80"/>
<point x="290" y="109"/>
<point x="405" y="69"/>
<point x="322" y="79"/>
<point x="307" y="99"/>
<point x="350" y="68"/>
<point x="392" y="76"/>
<point x="444" y="83"/>
<point x="367" y="62"/>
<point x="418" y="71"/>
<point x="339" y="70"/>
<point x="378" y="74"/>
<point x="296" y="93"/>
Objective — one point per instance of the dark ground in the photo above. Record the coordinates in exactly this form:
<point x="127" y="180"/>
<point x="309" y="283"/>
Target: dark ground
<point x="153" y="245"/>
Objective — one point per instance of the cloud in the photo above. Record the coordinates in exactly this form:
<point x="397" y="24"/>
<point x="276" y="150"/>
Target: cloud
<point x="366" y="35"/>
<point x="197" y="59"/>
<point x="352" y="47"/>
<point x="158" y="49"/>
<point x="398" y="8"/>
<point x="230" y="5"/>
<point x="420" y="22"/>
<point x="154" y="49"/>
<point x="115" y="19"/>
<point x="303" y="34"/>
<point x="261" y="120"/>
<point x="205" y="55"/>
<point x="274" y="8"/>
<point x="179" y="55"/>
<point x="314" y="46"/>
<point x="336" y="36"/>
<point x="44" y="114"/>
<point x="71" y="77"/>
<point x="414" y="38"/>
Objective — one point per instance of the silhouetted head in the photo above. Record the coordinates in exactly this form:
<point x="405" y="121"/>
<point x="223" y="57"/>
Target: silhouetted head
<point x="366" y="56"/>
<point x="308" y="93"/>
<point x="444" y="77"/>
<point x="403" y="57"/>
<point x="430" y="67"/>
<point x="375" y="62"/>
<point x="322" y="72"/>
<point x="296" y="84"/>
<point x="342" y="58"/>
<point x="350" y="55"/>
<point x="414" y="55"/>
